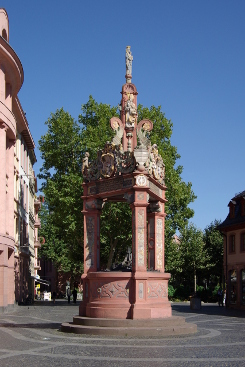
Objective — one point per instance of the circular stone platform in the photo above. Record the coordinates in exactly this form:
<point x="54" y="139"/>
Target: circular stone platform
<point x="174" y="325"/>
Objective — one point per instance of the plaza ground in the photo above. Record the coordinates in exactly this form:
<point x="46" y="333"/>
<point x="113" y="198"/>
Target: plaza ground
<point x="30" y="337"/>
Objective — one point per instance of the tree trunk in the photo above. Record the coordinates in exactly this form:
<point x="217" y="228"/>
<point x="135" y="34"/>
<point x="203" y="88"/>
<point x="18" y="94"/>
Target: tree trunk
<point x="112" y="250"/>
<point x="195" y="281"/>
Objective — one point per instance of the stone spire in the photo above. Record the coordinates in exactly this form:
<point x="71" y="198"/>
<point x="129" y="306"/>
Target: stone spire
<point x="130" y="148"/>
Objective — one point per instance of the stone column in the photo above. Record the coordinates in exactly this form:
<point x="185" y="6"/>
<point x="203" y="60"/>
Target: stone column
<point x="92" y="235"/>
<point x="91" y="211"/>
<point x="139" y="231"/>
<point x="139" y="254"/>
<point x="156" y="236"/>
<point x="3" y="130"/>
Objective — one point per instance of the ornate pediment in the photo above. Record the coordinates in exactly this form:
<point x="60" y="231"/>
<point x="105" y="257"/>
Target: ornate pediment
<point x="131" y="148"/>
<point x="111" y="161"/>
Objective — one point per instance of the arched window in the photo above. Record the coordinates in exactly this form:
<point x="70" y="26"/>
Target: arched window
<point x="242" y="247"/>
<point x="233" y="287"/>
<point x="232" y="247"/>
<point x="4" y="34"/>
<point x="243" y="286"/>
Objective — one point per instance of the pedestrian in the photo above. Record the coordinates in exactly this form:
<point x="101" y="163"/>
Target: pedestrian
<point x="54" y="296"/>
<point x="220" y="297"/>
<point x="69" y="294"/>
<point x="74" y="293"/>
<point x="224" y="299"/>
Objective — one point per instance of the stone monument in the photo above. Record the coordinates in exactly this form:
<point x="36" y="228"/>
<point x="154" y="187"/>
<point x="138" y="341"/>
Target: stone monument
<point x="128" y="169"/>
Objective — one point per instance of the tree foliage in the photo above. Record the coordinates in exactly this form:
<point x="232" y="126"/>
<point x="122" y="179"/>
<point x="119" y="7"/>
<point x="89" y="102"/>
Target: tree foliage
<point x="197" y="252"/>
<point x="61" y="179"/>
<point x="179" y="193"/>
<point x="62" y="149"/>
<point x="214" y="248"/>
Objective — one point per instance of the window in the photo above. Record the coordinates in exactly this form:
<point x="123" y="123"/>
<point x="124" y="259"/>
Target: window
<point x="243" y="286"/>
<point x="4" y="34"/>
<point x="242" y="248"/>
<point x="232" y="247"/>
<point x="232" y="210"/>
<point x="243" y="206"/>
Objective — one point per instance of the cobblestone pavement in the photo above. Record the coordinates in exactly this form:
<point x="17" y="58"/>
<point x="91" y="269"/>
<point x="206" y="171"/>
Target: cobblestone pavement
<point x="30" y="336"/>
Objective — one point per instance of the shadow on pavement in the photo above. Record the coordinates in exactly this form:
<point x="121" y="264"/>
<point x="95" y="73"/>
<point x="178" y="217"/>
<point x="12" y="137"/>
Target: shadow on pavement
<point x="208" y="309"/>
<point x="58" y="302"/>
<point x="51" y="325"/>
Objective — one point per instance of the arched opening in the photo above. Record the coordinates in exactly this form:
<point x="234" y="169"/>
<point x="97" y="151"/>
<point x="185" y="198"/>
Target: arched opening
<point x="243" y="286"/>
<point x="4" y="34"/>
<point x="116" y="238"/>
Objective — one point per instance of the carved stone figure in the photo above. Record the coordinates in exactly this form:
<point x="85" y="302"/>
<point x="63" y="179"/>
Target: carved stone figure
<point x="143" y="129"/>
<point x="85" y="162"/>
<point x="155" y="165"/>
<point x="117" y="126"/>
<point x="111" y="160"/>
<point x="107" y="165"/>
<point x="130" y="111"/>
<point x="129" y="61"/>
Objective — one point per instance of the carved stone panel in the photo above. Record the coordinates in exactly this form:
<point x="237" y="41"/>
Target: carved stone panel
<point x="117" y="183"/>
<point x="113" y="290"/>
<point x="89" y="247"/>
<point x="141" y="237"/>
<point x="155" y="189"/>
<point x="140" y="196"/>
<point x="133" y="238"/>
<point x="157" y="290"/>
<point x="141" y="290"/>
<point x="159" y="244"/>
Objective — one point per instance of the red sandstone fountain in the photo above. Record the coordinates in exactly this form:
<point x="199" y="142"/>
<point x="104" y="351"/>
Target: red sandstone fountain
<point x="128" y="169"/>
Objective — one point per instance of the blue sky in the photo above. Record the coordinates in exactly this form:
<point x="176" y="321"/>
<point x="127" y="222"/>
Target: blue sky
<point x="189" y="57"/>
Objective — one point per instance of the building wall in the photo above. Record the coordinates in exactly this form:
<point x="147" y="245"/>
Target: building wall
<point x="234" y="268"/>
<point x="233" y="230"/>
<point x="17" y="201"/>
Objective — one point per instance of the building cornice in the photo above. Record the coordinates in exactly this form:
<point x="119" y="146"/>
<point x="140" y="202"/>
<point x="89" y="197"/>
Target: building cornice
<point x="12" y="65"/>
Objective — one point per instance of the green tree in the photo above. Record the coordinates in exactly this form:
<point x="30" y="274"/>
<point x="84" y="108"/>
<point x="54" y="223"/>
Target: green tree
<point x="193" y="253"/>
<point x="61" y="179"/>
<point x="214" y="248"/>
<point x="179" y="193"/>
<point x="62" y="149"/>
<point x="116" y="233"/>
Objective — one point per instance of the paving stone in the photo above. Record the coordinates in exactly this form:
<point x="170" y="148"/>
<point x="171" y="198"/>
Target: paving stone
<point x="31" y="336"/>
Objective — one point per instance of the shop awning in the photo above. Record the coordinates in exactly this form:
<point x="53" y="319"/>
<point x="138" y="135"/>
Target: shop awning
<point x="41" y="281"/>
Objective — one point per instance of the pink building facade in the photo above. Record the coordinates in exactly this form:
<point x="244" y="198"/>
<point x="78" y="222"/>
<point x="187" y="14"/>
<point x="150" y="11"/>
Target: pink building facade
<point x="17" y="181"/>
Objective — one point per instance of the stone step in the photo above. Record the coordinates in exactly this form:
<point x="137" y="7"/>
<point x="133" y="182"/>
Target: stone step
<point x="135" y="328"/>
<point x="168" y="321"/>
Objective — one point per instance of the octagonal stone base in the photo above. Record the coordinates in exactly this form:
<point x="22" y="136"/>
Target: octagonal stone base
<point x="125" y="295"/>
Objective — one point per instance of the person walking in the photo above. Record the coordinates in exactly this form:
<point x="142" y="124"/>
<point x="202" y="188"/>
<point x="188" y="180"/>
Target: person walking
<point x="224" y="298"/>
<point x="220" y="297"/>
<point x="69" y="294"/>
<point x="54" y="296"/>
<point x="74" y="293"/>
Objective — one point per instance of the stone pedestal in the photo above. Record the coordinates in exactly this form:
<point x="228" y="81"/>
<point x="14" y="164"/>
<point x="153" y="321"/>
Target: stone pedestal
<point x="125" y="295"/>
<point x="195" y="303"/>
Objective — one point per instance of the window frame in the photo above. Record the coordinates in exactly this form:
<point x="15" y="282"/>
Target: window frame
<point x="242" y="242"/>
<point x="232" y="243"/>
